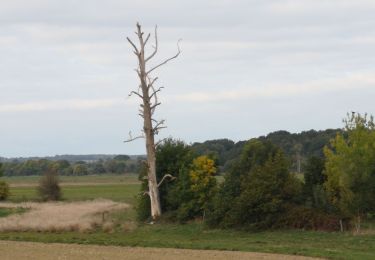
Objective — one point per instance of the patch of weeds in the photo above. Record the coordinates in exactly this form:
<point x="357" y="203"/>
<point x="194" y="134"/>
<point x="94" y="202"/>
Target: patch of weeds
<point x="5" y="212"/>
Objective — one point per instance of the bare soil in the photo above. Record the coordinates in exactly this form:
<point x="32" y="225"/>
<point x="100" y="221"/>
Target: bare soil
<point x="10" y="250"/>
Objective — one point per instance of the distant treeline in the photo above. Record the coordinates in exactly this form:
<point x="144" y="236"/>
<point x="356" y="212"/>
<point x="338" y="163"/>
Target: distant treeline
<point x="119" y="164"/>
<point x="70" y="158"/>
<point x="297" y="147"/>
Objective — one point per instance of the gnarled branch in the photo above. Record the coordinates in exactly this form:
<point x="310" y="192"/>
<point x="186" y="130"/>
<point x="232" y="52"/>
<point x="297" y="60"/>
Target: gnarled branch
<point x="164" y="177"/>
<point x="135" y="93"/>
<point x="167" y="60"/>
<point x="131" y="138"/>
<point x="155" y="47"/>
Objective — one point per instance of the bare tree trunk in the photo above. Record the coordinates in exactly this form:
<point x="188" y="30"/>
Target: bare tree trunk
<point x="148" y="93"/>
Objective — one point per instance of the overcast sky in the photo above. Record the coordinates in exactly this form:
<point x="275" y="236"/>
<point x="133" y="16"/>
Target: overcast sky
<point x="247" y="68"/>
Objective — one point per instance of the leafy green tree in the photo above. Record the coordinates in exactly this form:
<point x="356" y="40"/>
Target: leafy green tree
<point x="122" y="157"/>
<point x="193" y="189"/>
<point x="256" y="190"/>
<point x="80" y="169"/>
<point x="350" y="167"/>
<point x="185" y="195"/>
<point x="173" y="157"/>
<point x="314" y="179"/>
<point x="97" y="168"/>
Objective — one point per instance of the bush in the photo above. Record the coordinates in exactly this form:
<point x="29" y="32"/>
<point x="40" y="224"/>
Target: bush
<point x="49" y="188"/>
<point x="300" y="217"/>
<point x="4" y="190"/>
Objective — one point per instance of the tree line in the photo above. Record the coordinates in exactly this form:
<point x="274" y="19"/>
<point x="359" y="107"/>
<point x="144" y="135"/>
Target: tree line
<point x="118" y="165"/>
<point x="259" y="190"/>
<point x="298" y="147"/>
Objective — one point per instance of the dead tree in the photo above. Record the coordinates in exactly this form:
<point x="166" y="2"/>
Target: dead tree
<point x="148" y="93"/>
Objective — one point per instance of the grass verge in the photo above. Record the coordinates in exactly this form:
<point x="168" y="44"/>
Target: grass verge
<point x="194" y="236"/>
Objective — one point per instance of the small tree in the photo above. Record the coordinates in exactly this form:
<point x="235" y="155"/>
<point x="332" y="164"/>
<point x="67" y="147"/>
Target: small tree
<point x="4" y="187"/>
<point x="256" y="190"/>
<point x="350" y="168"/>
<point x="49" y="188"/>
<point x="190" y="193"/>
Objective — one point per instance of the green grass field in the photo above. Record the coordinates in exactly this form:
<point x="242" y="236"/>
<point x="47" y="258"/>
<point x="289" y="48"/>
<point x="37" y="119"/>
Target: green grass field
<point x="122" y="188"/>
<point x="193" y="235"/>
<point x="98" y="179"/>
<point x="121" y="192"/>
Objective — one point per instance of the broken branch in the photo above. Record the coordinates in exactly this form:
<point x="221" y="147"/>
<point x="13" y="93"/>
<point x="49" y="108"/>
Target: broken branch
<point x="164" y="177"/>
<point x="131" y="138"/>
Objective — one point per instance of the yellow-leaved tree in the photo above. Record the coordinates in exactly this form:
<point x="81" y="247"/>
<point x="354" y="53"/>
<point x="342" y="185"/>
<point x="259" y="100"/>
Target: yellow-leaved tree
<point x="202" y="177"/>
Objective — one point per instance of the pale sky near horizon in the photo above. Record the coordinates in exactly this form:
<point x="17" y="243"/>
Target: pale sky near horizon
<point x="247" y="68"/>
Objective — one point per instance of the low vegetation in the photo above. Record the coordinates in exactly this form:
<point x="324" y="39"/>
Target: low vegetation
<point x="49" y="188"/>
<point x="6" y="211"/>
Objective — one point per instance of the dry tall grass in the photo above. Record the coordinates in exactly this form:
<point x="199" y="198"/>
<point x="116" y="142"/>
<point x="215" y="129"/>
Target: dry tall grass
<point x="59" y="216"/>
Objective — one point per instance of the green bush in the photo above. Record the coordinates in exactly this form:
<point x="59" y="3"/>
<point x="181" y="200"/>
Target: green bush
<point x="4" y="190"/>
<point x="300" y="217"/>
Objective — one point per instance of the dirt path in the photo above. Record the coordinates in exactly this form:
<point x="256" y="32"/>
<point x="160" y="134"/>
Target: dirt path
<point x="10" y="250"/>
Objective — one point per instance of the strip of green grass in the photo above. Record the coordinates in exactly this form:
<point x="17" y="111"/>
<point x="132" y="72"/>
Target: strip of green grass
<point x="193" y="236"/>
<point x="100" y="179"/>
<point x="5" y="212"/>
<point x="121" y="192"/>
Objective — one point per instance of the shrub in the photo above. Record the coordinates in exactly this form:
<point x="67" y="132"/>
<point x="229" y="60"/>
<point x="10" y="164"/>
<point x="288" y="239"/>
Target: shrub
<point x="4" y="190"/>
<point x="49" y="188"/>
<point x="300" y="217"/>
